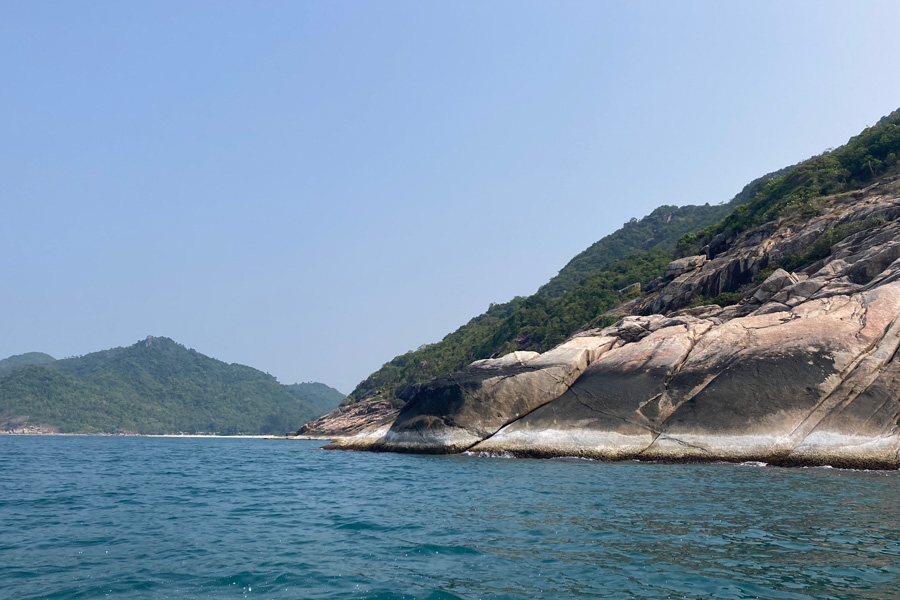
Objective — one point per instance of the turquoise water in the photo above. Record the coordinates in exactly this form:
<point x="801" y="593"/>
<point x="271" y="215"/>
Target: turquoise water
<point x="94" y="517"/>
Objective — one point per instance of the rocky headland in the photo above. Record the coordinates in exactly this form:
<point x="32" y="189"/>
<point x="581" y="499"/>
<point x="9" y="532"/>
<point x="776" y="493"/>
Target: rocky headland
<point x="798" y="367"/>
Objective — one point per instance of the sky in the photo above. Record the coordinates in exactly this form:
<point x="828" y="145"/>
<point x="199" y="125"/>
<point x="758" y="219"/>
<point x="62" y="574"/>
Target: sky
<point x="312" y="188"/>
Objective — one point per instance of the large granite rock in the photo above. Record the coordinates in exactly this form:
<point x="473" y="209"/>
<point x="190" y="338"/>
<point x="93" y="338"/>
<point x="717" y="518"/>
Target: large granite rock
<point x="754" y="388"/>
<point x="612" y="408"/>
<point x="803" y="370"/>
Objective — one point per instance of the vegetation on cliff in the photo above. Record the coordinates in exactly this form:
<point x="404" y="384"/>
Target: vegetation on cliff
<point x="593" y="281"/>
<point x="872" y="154"/>
<point x="532" y="323"/>
<point x="660" y="230"/>
<point x="157" y="386"/>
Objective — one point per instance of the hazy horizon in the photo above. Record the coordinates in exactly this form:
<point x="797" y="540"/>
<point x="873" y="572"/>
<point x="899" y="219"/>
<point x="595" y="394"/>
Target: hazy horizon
<point x="313" y="188"/>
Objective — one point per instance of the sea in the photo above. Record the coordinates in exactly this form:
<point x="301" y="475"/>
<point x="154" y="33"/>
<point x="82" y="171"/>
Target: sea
<point x="180" y="518"/>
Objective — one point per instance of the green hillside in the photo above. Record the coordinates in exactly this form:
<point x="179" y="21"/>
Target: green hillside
<point x="19" y="361"/>
<point x="872" y="154"/>
<point x="637" y="253"/>
<point x="660" y="230"/>
<point x="154" y="386"/>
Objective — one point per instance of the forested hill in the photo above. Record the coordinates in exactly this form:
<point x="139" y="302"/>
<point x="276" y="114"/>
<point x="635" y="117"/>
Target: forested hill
<point x="8" y="365"/>
<point x="661" y="230"/>
<point x="324" y="397"/>
<point x="154" y="386"/>
<point x="602" y="276"/>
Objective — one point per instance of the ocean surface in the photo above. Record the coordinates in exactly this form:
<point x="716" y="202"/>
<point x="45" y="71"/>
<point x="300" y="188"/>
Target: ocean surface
<point x="116" y="517"/>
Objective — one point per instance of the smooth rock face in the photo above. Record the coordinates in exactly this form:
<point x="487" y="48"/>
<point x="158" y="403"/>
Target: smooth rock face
<point x="804" y="370"/>
<point x="610" y="411"/>
<point x="772" y="377"/>
<point x="452" y="413"/>
<point x="753" y="388"/>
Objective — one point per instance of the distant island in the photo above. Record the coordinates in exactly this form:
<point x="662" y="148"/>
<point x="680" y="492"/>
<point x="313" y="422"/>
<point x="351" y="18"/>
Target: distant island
<point x="763" y="329"/>
<point x="155" y="386"/>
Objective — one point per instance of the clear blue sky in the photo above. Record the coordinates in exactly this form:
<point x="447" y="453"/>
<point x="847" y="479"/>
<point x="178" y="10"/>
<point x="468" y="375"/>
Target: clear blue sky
<point x="311" y="188"/>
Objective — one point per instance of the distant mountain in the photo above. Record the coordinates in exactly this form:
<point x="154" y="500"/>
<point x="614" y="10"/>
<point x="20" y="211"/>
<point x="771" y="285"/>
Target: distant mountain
<point x="8" y="365"/>
<point x="154" y="386"/>
<point x="319" y="394"/>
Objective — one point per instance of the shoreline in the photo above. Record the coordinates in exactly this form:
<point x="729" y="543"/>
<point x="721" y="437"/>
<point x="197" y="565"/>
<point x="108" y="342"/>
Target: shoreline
<point x="759" y="461"/>
<point x="157" y="435"/>
<point x="833" y="460"/>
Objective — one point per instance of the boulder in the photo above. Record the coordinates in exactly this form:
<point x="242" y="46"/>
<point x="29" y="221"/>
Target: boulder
<point x="773" y="284"/>
<point x="683" y="265"/>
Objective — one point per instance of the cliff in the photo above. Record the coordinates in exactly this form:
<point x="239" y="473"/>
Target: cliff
<point x="775" y="341"/>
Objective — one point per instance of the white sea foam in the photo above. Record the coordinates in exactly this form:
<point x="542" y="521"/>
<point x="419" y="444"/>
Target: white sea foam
<point x="487" y="454"/>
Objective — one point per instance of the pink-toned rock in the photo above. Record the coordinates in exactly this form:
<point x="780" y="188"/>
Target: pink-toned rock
<point x="350" y="420"/>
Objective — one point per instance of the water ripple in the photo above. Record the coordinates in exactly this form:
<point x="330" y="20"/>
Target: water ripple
<point x="231" y="518"/>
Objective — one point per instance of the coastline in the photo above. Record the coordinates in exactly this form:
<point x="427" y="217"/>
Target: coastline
<point x="159" y="435"/>
<point x="837" y="458"/>
<point x="773" y="460"/>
